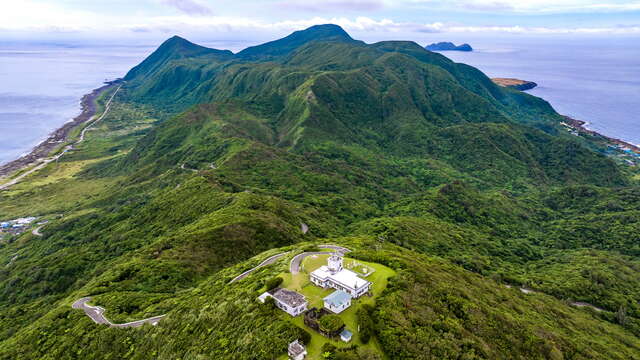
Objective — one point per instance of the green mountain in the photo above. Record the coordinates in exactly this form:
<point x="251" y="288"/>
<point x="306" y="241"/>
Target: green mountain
<point x="456" y="191"/>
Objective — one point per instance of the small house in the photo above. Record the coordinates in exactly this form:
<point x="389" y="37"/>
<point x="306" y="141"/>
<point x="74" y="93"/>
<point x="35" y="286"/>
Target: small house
<point x="297" y="351"/>
<point x="346" y="335"/>
<point x="289" y="301"/>
<point x="337" y="301"/>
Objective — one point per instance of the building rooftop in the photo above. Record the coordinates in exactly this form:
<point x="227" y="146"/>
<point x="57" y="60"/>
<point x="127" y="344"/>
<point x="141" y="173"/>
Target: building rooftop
<point x="337" y="298"/>
<point x="346" y="334"/>
<point x="296" y="348"/>
<point x="289" y="297"/>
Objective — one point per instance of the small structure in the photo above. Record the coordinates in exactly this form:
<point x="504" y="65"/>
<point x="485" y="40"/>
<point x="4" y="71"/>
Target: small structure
<point x="289" y="301"/>
<point x="346" y="335"/>
<point x="333" y="275"/>
<point x="337" y="301"/>
<point x="297" y="351"/>
<point x="263" y="297"/>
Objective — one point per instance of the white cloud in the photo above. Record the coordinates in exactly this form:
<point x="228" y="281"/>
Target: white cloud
<point x="34" y="15"/>
<point x="363" y="24"/>
<point x="38" y="15"/>
<point x="189" y="7"/>
<point x="533" y="6"/>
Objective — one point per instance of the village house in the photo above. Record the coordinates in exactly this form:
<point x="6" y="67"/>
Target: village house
<point x="289" y="301"/>
<point x="333" y="275"/>
<point x="297" y="351"/>
<point x="337" y="301"/>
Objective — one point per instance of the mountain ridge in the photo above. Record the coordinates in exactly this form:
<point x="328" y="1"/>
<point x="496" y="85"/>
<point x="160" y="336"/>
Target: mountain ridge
<point x="208" y="163"/>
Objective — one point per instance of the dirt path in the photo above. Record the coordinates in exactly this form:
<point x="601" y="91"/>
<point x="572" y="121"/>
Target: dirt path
<point x="45" y="162"/>
<point x="96" y="313"/>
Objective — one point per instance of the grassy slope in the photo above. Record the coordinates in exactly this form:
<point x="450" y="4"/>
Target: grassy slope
<point x="469" y="186"/>
<point x="430" y="309"/>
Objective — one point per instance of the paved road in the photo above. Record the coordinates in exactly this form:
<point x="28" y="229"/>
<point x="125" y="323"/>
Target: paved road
<point x="579" y="304"/>
<point x="46" y="161"/>
<point x="269" y="261"/>
<point x="36" y="231"/>
<point x="183" y="167"/>
<point x="96" y="313"/>
<point x="294" y="265"/>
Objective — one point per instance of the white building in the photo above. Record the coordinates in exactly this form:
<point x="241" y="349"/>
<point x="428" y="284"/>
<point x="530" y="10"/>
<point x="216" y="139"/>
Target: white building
<point x="297" y="351"/>
<point x="289" y="301"/>
<point x="333" y="275"/>
<point x="337" y="302"/>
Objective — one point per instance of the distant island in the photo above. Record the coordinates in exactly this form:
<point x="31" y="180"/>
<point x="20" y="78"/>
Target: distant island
<point x="448" y="46"/>
<point x="518" y="84"/>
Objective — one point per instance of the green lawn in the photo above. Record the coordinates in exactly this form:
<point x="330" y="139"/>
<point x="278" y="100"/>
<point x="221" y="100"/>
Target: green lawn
<point x="314" y="294"/>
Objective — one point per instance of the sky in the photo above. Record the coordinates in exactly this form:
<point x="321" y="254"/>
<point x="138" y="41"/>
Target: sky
<point x="258" y="20"/>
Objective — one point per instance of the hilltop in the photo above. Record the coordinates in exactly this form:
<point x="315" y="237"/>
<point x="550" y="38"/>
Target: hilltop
<point x="209" y="163"/>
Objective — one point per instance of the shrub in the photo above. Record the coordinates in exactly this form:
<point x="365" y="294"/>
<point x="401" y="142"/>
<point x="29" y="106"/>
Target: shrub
<point x="273" y="283"/>
<point x="365" y="323"/>
<point x="304" y="336"/>
<point x="330" y="323"/>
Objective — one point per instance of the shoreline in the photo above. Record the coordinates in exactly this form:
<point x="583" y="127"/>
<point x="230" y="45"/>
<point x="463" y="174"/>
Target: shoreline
<point x="59" y="136"/>
<point x="581" y="127"/>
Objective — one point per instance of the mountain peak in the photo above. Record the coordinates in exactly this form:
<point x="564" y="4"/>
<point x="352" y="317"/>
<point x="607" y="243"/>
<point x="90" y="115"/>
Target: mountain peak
<point x="323" y="32"/>
<point x="174" y="48"/>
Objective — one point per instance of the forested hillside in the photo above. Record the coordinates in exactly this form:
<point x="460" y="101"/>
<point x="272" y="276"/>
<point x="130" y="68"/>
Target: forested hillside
<point x="209" y="162"/>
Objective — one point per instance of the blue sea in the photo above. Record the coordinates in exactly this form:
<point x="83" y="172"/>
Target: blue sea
<point x="595" y="80"/>
<point x="41" y="86"/>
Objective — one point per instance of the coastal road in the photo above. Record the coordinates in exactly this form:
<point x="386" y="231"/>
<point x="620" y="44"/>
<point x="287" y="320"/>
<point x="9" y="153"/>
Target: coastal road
<point x="104" y="113"/>
<point x="45" y="162"/>
<point x="294" y="265"/>
<point x="269" y="261"/>
<point x="96" y="313"/>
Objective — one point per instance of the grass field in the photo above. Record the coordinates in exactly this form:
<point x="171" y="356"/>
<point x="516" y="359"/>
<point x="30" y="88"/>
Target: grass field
<point x="314" y="294"/>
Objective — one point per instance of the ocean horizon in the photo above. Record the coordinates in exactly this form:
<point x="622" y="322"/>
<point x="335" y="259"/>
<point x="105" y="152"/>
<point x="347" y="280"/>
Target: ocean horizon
<point x="41" y="85"/>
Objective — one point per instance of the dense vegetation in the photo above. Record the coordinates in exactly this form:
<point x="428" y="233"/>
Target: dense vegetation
<point x="209" y="162"/>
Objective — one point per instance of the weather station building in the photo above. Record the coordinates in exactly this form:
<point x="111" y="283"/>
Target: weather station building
<point x="333" y="275"/>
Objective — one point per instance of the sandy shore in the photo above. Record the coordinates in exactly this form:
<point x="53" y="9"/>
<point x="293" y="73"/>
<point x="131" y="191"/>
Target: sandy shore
<point x="59" y="136"/>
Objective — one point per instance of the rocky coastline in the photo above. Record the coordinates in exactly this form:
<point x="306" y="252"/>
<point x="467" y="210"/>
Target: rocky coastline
<point x="59" y="136"/>
<point x="581" y="127"/>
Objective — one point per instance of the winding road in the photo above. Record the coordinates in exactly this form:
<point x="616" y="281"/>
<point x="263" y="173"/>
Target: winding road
<point x="36" y="231"/>
<point x="67" y="148"/>
<point x="96" y="313"/>
<point x="269" y="261"/>
<point x="578" y="304"/>
<point x="294" y="265"/>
